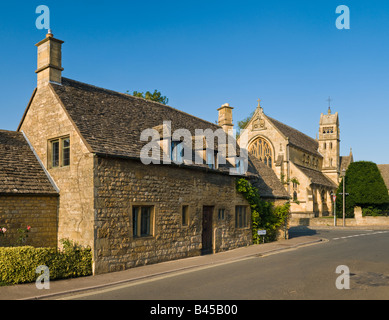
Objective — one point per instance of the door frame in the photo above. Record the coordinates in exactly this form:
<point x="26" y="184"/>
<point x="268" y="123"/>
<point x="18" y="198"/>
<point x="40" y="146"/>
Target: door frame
<point x="207" y="230"/>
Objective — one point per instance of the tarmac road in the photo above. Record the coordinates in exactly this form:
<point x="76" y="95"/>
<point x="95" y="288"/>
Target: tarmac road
<point x="307" y="272"/>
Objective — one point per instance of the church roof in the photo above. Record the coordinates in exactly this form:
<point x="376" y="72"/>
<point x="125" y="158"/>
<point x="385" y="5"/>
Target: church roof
<point x="297" y="138"/>
<point x="384" y="169"/>
<point x="20" y="170"/>
<point x="345" y="161"/>
<point x="317" y="177"/>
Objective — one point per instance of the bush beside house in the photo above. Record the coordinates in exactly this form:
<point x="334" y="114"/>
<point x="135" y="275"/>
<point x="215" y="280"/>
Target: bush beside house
<point x="19" y="264"/>
<point x="264" y="215"/>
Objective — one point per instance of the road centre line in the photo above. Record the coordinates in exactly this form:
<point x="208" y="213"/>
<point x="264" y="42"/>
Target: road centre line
<point x="359" y="235"/>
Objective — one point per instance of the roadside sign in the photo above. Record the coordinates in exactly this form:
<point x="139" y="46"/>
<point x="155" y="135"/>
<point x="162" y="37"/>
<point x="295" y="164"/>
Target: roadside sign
<point x="262" y="232"/>
<point x="334" y="197"/>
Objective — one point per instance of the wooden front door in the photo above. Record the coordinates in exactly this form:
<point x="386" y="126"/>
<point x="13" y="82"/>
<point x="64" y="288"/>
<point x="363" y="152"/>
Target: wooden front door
<point x="207" y="230"/>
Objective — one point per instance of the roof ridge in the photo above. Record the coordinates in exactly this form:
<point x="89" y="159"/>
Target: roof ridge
<point x="294" y="129"/>
<point x="301" y="166"/>
<point x="126" y="95"/>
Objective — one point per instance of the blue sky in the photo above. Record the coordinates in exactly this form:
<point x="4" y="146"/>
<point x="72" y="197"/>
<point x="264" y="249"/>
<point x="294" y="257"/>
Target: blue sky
<point x="202" y="54"/>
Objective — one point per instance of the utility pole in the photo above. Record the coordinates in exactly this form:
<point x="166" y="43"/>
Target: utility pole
<point x="344" y="195"/>
<point x="334" y="201"/>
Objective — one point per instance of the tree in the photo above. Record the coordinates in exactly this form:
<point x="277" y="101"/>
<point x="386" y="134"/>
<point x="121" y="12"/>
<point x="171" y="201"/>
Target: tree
<point x="155" y="96"/>
<point x="243" y="123"/>
<point x="366" y="188"/>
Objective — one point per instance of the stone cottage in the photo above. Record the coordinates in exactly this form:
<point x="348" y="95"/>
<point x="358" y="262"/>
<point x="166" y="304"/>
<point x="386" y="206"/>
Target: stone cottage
<point x="87" y="140"/>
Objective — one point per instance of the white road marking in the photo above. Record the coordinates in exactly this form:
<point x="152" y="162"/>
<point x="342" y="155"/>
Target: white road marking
<point x="359" y="235"/>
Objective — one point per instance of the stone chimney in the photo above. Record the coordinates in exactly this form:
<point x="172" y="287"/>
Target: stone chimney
<point x="49" y="60"/>
<point x="225" y="117"/>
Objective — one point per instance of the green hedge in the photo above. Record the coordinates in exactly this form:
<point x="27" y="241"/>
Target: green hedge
<point x="366" y="189"/>
<point x="18" y="264"/>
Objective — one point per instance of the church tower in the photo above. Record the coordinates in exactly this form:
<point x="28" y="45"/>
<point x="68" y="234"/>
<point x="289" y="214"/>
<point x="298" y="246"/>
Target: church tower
<point x="329" y="144"/>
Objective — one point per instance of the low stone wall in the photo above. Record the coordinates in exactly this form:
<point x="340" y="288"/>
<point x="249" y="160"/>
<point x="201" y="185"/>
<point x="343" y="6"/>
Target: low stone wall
<point x="39" y="212"/>
<point x="369" y="221"/>
<point x="358" y="220"/>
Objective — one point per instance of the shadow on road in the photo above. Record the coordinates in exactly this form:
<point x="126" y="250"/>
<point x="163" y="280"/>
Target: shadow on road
<point x="300" y="231"/>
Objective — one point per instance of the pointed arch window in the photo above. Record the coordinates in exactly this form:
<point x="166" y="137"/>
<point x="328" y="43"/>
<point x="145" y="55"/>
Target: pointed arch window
<point x="261" y="149"/>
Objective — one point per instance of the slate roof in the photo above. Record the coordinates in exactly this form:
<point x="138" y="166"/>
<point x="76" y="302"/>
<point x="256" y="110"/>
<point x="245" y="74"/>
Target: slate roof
<point x="345" y="161"/>
<point x="317" y="177"/>
<point x="20" y="171"/>
<point x="267" y="182"/>
<point x="112" y="122"/>
<point x="297" y="138"/>
<point x="384" y="169"/>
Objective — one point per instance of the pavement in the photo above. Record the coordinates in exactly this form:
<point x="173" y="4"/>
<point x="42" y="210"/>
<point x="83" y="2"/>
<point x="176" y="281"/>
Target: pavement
<point x="76" y="285"/>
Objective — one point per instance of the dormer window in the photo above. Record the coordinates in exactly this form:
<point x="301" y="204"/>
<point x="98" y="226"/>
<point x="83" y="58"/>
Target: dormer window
<point x="211" y="159"/>
<point x="177" y="152"/>
<point x="239" y="166"/>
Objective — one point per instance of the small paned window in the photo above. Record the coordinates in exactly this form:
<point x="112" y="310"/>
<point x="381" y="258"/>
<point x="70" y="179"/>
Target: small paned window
<point x="142" y="221"/>
<point x="241" y="219"/>
<point x="221" y="214"/>
<point x="59" y="152"/>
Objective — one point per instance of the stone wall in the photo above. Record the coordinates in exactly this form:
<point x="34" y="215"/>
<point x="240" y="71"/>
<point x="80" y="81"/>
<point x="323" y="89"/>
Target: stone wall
<point x="368" y="220"/>
<point x="39" y="212"/>
<point x="358" y="220"/>
<point x="122" y="184"/>
<point x="46" y="119"/>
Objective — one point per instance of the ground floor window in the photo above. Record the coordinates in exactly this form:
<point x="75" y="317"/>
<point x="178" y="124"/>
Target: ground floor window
<point x="185" y="215"/>
<point x="221" y="214"/>
<point x="241" y="217"/>
<point x="142" y="221"/>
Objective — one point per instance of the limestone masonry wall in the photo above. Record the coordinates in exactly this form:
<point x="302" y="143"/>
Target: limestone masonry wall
<point x="45" y="120"/>
<point x="39" y="212"/>
<point x="122" y="184"/>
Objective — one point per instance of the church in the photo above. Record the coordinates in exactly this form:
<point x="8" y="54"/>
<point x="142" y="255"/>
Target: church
<point x="310" y="169"/>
